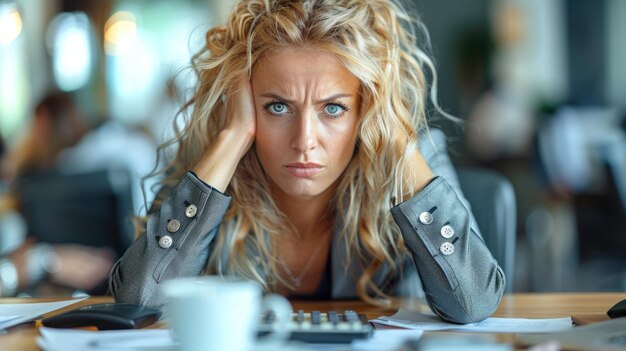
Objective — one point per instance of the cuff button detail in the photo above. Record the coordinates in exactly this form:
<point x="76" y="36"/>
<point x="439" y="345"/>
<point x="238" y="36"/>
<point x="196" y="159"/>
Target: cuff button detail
<point x="165" y="242"/>
<point x="447" y="231"/>
<point x="446" y="248"/>
<point x="426" y="218"/>
<point x="173" y="226"/>
<point x="191" y="211"/>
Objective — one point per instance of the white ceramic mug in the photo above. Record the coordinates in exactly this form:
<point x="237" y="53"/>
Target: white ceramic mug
<point x="222" y="313"/>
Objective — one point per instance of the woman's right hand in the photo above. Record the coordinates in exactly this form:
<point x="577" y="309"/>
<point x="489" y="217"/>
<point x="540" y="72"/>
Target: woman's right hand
<point x="240" y="113"/>
<point x="219" y="162"/>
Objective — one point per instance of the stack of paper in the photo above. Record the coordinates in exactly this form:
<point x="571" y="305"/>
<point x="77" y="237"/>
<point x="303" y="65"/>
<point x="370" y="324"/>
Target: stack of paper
<point x="18" y="313"/>
<point x="415" y="320"/>
<point x="162" y="340"/>
<point x="85" y="340"/>
<point x="386" y="340"/>
<point x="6" y="319"/>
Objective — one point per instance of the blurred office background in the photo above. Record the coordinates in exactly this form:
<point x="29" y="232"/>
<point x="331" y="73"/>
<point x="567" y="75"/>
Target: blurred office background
<point x="540" y="84"/>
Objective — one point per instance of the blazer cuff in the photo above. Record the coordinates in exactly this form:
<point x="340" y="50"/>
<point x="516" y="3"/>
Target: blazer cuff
<point x="201" y="183"/>
<point x="440" y="221"/>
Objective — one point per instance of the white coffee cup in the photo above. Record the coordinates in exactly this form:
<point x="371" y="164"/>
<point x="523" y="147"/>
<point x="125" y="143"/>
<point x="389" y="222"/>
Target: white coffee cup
<point x="222" y="313"/>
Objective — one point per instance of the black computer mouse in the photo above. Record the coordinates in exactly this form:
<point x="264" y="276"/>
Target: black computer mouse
<point x="619" y="310"/>
<point x="106" y="316"/>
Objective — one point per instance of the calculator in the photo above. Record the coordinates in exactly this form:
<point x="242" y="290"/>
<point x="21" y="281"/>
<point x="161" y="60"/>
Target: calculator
<point x="318" y="327"/>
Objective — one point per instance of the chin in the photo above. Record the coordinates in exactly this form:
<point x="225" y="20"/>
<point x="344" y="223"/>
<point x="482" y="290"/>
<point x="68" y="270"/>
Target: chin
<point x="302" y="189"/>
<point x="299" y="192"/>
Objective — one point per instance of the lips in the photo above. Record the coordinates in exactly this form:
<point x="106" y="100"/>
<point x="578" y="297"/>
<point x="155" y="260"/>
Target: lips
<point x="303" y="170"/>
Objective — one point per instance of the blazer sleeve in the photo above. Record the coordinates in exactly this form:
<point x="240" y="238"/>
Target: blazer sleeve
<point x="462" y="281"/>
<point x="175" y="243"/>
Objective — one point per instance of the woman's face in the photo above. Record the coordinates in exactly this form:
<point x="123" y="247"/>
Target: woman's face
<point x="307" y="111"/>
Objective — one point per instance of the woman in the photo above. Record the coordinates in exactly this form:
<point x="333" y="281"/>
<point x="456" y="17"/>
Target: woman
<point x="301" y="168"/>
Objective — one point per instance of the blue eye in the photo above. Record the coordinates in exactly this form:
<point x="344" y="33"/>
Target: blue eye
<point x="334" y="110"/>
<point x="277" y="108"/>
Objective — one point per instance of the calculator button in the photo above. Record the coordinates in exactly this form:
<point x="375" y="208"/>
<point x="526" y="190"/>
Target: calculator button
<point x="351" y="316"/>
<point x="300" y="316"/>
<point x="316" y="317"/>
<point x="333" y="317"/>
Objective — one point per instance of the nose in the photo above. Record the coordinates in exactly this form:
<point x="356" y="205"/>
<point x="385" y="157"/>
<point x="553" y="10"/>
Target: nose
<point x="305" y="136"/>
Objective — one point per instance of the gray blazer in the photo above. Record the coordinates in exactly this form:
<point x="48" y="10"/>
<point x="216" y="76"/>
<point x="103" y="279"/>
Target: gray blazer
<point x="458" y="276"/>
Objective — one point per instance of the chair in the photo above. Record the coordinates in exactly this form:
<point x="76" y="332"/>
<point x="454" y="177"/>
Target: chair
<point x="492" y="199"/>
<point x="93" y="208"/>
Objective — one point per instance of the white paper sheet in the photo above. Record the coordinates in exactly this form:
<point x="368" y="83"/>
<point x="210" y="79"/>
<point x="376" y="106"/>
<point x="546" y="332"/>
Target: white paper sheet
<point x="85" y="340"/>
<point x="414" y="320"/>
<point x="381" y="340"/>
<point x="18" y="313"/>
<point x="134" y="339"/>
<point x="386" y="339"/>
<point x="7" y="318"/>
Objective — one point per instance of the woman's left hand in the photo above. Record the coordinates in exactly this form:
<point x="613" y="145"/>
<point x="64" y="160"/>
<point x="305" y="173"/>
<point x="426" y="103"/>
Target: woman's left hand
<point x="81" y="267"/>
<point x="417" y="175"/>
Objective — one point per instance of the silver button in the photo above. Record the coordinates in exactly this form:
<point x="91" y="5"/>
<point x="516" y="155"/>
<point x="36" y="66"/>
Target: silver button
<point x="446" y="248"/>
<point x="191" y="211"/>
<point x="173" y="226"/>
<point x="165" y="242"/>
<point x="426" y="218"/>
<point x="447" y="231"/>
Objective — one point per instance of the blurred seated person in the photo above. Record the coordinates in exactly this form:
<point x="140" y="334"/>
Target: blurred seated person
<point x="56" y="124"/>
<point x="114" y="145"/>
<point x="11" y="224"/>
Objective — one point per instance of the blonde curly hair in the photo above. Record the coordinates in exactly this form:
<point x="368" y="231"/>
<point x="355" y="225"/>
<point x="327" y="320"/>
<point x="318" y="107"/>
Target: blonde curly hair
<point x="378" y="42"/>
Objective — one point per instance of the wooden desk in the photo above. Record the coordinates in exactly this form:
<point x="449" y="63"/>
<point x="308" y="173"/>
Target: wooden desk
<point x="583" y="307"/>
